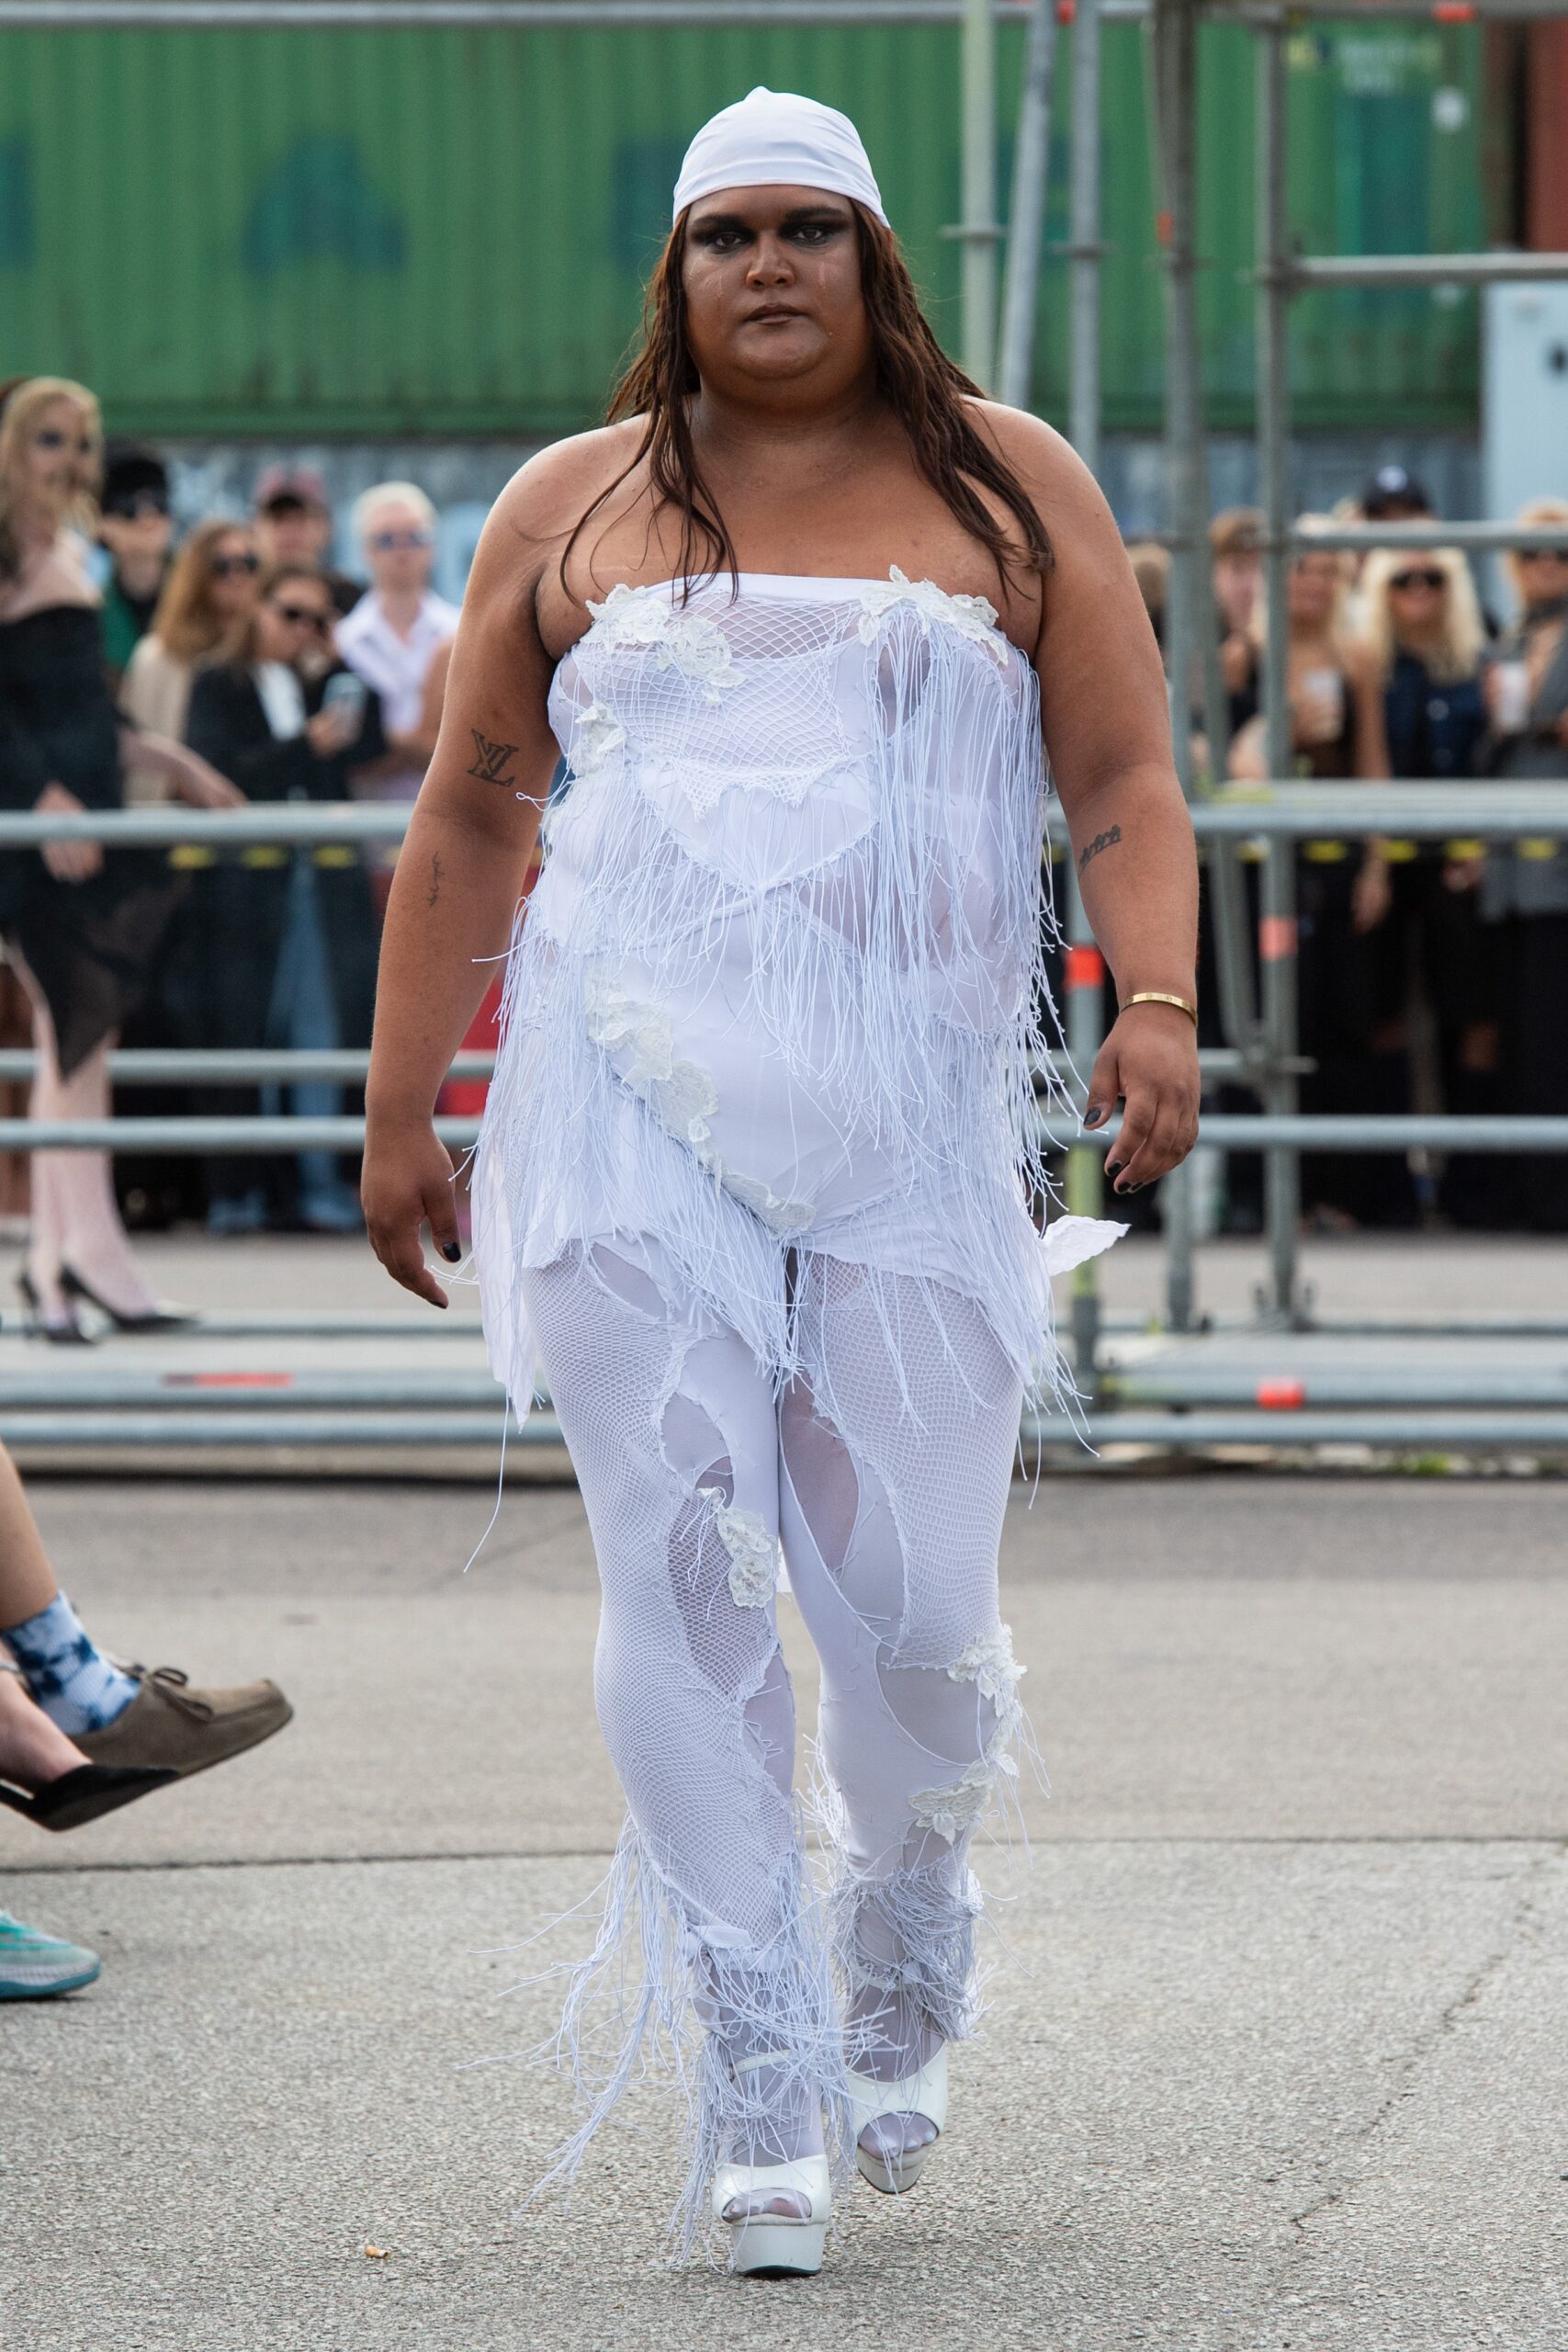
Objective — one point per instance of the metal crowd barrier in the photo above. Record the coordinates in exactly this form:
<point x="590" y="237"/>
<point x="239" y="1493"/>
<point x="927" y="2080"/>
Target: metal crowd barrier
<point x="89" y="1408"/>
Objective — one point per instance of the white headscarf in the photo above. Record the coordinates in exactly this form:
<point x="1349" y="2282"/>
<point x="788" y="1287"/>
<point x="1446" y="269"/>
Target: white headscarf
<point x="772" y="139"/>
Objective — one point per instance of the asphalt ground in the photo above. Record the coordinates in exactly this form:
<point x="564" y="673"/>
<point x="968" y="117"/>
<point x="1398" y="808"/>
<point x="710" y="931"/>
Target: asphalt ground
<point x="1274" y="2060"/>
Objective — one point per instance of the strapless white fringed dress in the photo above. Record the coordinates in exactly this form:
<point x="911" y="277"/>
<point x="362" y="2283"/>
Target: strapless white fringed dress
<point x="780" y="985"/>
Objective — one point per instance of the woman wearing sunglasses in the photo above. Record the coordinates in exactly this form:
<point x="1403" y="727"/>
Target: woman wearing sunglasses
<point x="286" y="945"/>
<point x="1524" y="891"/>
<point x="80" y="927"/>
<point x="1423" y="634"/>
<point x="211" y="588"/>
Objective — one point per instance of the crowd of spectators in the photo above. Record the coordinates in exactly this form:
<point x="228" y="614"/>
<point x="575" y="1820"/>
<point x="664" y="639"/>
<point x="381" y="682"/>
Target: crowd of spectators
<point x="1431" y="974"/>
<point x="239" y="667"/>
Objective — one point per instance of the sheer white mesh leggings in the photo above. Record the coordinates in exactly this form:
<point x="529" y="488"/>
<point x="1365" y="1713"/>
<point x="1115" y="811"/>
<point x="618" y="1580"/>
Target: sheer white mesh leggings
<point x="886" y="1469"/>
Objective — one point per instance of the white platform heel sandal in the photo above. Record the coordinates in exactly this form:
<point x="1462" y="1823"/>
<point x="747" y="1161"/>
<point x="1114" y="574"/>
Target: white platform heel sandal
<point x="922" y="2093"/>
<point x="763" y="2243"/>
<point x="772" y="2241"/>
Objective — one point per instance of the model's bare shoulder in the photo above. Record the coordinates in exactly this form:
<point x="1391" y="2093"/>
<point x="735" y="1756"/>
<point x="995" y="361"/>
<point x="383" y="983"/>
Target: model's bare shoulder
<point x="545" y="498"/>
<point x="1047" y="465"/>
<point x="532" y="521"/>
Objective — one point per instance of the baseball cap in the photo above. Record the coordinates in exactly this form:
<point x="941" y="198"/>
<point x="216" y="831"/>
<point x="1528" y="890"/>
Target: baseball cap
<point x="288" y="486"/>
<point x="1394" y="486"/>
<point x="132" y="473"/>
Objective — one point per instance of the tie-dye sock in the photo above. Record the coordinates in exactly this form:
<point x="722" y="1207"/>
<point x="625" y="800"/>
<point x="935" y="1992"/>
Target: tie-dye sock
<point x="66" y="1672"/>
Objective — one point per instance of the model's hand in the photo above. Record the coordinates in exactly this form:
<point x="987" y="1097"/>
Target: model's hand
<point x="407" y="1183"/>
<point x="1150" y="1060"/>
<point x="67" y="861"/>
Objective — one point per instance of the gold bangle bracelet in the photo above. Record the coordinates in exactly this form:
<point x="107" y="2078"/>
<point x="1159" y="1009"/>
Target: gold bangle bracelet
<point x="1159" y="996"/>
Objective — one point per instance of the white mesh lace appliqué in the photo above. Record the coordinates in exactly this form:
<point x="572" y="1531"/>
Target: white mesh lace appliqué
<point x="689" y="643"/>
<point x="990" y="1665"/>
<point x="753" y="1552"/>
<point x="972" y="617"/>
<point x="597" y="733"/>
<point x="682" y="1095"/>
<point x="950" y="1810"/>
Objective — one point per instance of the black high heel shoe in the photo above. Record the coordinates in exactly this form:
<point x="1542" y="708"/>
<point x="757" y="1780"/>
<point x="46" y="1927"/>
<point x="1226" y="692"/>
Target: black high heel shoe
<point x="85" y="1793"/>
<point x="66" y="1334"/>
<point x="161" y="1318"/>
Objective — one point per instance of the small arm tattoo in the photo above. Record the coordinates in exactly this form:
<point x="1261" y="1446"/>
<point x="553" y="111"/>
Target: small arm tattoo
<point x="1100" y="841"/>
<point x="491" y="760"/>
<point x="434" y="879"/>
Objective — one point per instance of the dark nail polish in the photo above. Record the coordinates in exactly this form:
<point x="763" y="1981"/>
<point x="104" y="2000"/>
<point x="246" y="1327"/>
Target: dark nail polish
<point x="451" y="1252"/>
<point x="1093" y="1118"/>
<point x="1113" y="1168"/>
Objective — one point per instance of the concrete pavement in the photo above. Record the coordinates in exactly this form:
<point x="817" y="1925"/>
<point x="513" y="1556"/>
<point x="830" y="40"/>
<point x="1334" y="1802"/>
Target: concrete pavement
<point x="1275" y="2061"/>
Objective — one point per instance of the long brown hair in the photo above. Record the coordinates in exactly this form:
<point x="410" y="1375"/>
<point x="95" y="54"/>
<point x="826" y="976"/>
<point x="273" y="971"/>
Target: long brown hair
<point x="187" y="623"/>
<point x="925" y="390"/>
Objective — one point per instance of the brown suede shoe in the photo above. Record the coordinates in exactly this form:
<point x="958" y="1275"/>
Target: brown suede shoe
<point x="170" y="1724"/>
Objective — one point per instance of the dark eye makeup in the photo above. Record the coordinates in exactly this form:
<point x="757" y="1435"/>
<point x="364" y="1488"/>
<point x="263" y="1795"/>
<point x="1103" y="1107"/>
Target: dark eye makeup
<point x="723" y="233"/>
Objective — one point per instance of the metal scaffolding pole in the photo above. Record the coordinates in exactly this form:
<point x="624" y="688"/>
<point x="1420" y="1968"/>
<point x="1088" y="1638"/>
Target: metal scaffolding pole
<point x="1189" y="653"/>
<point x="1084" y="965"/>
<point x="1276" y="939"/>
<point x="1026" y="215"/>
<point x="1174" y="41"/>
<point x="1084" y="246"/>
<point x="978" y="233"/>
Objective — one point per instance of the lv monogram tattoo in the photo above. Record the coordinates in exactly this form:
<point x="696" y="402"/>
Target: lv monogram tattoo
<point x="1100" y="841"/>
<point x="492" y="762"/>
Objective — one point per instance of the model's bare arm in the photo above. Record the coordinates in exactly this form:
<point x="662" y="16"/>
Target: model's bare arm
<point x="459" y="879"/>
<point x="1107" y="726"/>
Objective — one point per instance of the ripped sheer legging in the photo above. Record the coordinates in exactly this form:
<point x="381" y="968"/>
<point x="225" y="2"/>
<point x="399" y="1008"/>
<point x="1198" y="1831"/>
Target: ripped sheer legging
<point x="885" y="1468"/>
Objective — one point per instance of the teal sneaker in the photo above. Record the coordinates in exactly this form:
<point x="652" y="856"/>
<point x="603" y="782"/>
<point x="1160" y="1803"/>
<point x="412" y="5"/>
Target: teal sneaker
<point x="33" y="1965"/>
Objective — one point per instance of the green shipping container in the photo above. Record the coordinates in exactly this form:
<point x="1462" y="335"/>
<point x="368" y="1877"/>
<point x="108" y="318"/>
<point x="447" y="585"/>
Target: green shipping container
<point x="445" y="232"/>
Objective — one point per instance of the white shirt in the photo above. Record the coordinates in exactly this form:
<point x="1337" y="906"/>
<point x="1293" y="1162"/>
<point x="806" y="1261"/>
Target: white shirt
<point x="282" y="698"/>
<point x="396" y="666"/>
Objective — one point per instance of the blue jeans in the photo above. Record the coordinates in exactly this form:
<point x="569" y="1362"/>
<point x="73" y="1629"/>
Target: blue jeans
<point x="302" y="1015"/>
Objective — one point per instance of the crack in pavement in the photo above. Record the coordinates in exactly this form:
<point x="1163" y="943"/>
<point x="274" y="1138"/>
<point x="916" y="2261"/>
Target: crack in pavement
<point x="1360" y="2139"/>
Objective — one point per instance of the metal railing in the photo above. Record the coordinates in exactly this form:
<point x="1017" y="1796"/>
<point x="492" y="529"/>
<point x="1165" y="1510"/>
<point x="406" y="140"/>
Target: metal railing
<point x="91" y="1406"/>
